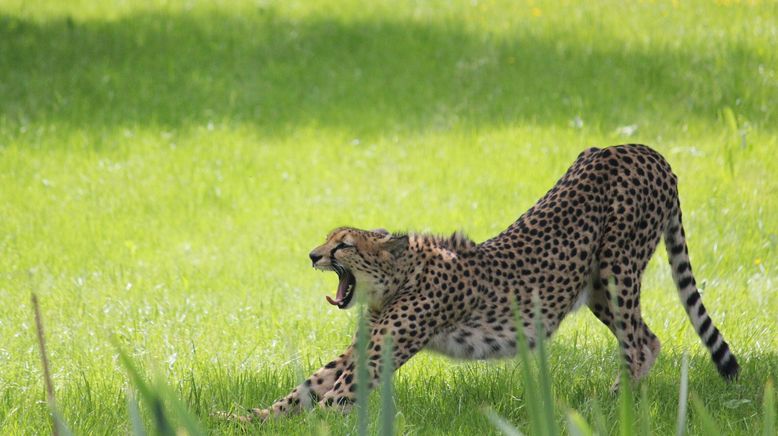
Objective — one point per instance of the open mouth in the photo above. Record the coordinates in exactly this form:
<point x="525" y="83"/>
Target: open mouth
<point x="346" y="284"/>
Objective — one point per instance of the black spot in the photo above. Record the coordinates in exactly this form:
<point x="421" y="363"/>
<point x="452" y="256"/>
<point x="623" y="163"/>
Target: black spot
<point x="342" y="401"/>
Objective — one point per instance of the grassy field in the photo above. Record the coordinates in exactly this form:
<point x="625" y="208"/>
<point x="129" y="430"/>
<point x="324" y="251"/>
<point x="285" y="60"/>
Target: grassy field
<point x="165" y="167"/>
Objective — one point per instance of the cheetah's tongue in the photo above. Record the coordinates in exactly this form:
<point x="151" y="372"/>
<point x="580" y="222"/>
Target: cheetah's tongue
<point x="345" y="282"/>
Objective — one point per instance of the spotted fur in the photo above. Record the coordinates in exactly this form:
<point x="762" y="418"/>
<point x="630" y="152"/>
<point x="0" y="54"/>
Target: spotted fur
<point x="588" y="240"/>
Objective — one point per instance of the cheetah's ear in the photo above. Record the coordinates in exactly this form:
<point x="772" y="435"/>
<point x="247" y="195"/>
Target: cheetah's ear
<point x="396" y="245"/>
<point x="381" y="231"/>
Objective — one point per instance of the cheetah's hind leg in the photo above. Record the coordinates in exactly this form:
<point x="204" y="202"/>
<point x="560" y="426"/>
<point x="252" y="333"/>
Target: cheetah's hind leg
<point x="620" y="312"/>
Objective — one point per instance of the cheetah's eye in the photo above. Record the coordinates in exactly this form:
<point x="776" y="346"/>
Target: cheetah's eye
<point x="342" y="245"/>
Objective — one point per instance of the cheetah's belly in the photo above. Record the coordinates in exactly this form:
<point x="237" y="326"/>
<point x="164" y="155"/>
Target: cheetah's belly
<point x="469" y="342"/>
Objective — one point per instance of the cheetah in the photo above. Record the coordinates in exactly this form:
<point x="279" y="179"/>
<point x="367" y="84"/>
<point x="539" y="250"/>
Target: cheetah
<point x="586" y="241"/>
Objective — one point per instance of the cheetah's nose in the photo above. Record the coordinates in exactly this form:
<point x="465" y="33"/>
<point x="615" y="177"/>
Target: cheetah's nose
<point x="314" y="258"/>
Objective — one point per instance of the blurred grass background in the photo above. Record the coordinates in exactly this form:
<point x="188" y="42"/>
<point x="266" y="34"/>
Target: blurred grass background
<point x="165" y="167"/>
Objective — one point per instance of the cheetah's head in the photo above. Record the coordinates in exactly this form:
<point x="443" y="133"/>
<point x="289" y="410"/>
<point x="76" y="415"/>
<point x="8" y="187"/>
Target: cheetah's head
<point x="363" y="259"/>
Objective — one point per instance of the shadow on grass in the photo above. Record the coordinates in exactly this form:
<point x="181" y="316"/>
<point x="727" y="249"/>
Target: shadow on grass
<point x="371" y="77"/>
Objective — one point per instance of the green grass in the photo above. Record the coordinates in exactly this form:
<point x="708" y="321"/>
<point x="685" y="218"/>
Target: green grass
<point x="165" y="167"/>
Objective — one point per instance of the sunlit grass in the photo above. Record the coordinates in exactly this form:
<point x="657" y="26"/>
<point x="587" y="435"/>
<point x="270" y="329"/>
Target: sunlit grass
<point x="166" y="167"/>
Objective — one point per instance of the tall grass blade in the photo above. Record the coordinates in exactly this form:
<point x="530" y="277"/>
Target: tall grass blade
<point x="162" y="423"/>
<point x="600" y="427"/>
<point x="59" y="428"/>
<point x="387" y="389"/>
<point x="708" y="424"/>
<point x="768" y="406"/>
<point x="626" y="405"/>
<point x="644" y="419"/>
<point x="136" y="422"/>
<point x="501" y="423"/>
<point x="362" y="374"/>
<point x="151" y="398"/>
<point x="577" y="425"/>
<point x="683" y="396"/>
<point x="531" y="395"/>
<point x="180" y="411"/>
<point x="544" y="377"/>
<point x="194" y="391"/>
<point x="731" y="121"/>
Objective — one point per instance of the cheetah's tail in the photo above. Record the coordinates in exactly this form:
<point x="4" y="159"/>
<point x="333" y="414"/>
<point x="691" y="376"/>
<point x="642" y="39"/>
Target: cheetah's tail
<point x="678" y="255"/>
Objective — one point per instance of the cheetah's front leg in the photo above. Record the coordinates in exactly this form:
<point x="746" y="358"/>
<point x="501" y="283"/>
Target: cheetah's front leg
<point x="308" y="392"/>
<point x="408" y="338"/>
